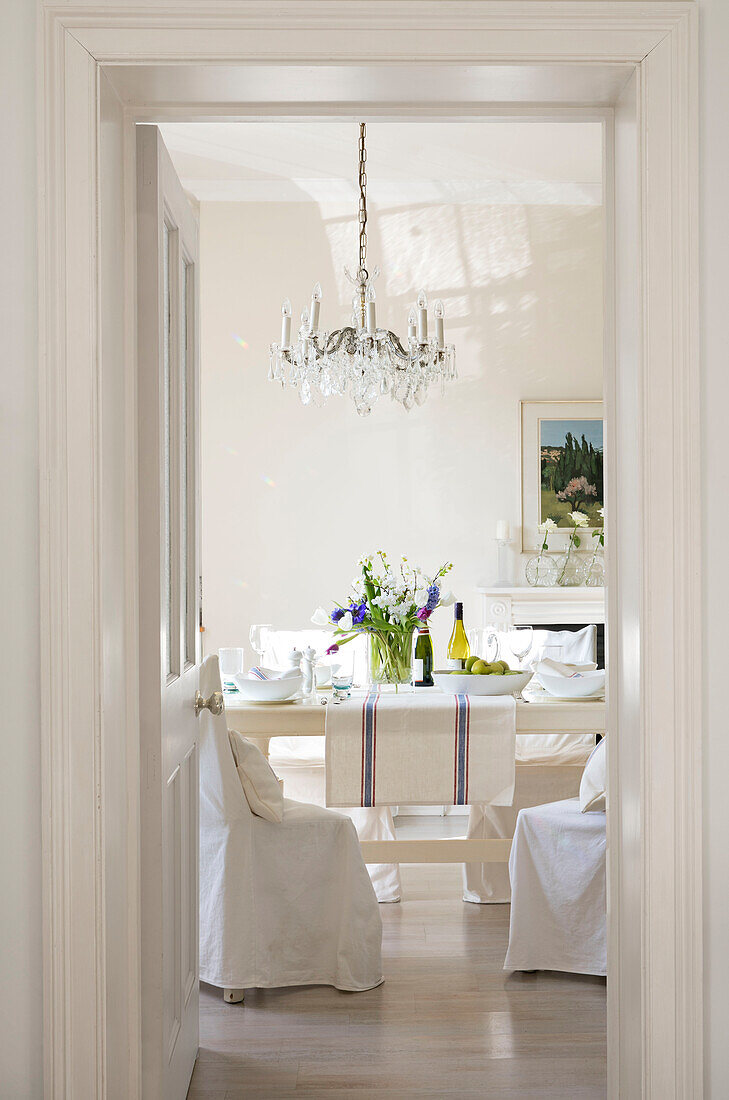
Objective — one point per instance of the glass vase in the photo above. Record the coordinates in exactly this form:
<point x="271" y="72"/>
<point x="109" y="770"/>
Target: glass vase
<point x="391" y="659"/>
<point x="541" y="570"/>
<point x="595" y="571"/>
<point x="570" y="570"/>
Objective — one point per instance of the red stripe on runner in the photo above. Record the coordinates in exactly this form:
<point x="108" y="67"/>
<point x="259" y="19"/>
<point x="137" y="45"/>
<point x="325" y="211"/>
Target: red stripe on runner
<point x="364" y="734"/>
<point x="374" y="745"/>
<point x="468" y="745"/>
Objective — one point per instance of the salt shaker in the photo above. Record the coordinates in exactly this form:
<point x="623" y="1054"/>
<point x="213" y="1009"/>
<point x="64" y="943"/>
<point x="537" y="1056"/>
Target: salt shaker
<point x="294" y="665"/>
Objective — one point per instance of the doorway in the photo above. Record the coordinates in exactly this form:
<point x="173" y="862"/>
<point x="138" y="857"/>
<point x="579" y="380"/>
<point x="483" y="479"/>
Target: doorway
<point x="646" y="884"/>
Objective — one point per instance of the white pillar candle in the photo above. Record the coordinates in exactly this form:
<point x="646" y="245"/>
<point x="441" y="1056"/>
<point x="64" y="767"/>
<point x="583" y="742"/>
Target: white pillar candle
<point x="315" y="303"/>
<point x="422" y="318"/>
<point x="439" y="315"/>
<point x="502" y="530"/>
<point x="286" y="324"/>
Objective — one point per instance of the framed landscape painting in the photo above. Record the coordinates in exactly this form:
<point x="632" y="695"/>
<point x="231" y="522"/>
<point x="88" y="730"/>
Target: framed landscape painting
<point x="562" y="452"/>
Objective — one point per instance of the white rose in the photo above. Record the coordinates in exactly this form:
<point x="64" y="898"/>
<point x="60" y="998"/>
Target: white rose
<point x="548" y="525"/>
<point x="579" y="519"/>
<point x="447" y="598"/>
<point x="320" y="617"/>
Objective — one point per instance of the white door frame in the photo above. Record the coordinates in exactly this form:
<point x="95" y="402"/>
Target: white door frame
<point x="89" y="652"/>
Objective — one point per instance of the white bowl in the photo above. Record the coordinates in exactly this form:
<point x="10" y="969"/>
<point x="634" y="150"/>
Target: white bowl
<point x="470" y="684"/>
<point x="580" y="686"/>
<point x="268" y="691"/>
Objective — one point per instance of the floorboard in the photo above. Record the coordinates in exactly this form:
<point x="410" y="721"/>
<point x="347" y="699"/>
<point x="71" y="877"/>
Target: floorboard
<point x="448" y="1021"/>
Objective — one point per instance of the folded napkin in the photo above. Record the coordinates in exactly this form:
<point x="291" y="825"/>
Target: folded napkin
<point x="557" y="668"/>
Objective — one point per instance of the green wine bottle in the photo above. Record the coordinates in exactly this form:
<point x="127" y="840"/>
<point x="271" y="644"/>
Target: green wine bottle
<point x="458" y="648"/>
<point x="423" y="659"/>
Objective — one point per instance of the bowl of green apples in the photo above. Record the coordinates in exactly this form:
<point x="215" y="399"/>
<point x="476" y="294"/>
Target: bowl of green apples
<point x="481" y="677"/>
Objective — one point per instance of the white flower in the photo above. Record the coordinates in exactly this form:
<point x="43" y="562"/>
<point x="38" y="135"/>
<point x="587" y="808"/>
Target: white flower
<point x="447" y="598"/>
<point x="579" y="519"/>
<point x="421" y="596"/>
<point x="320" y="617"/>
<point x="602" y="512"/>
<point x="548" y="525"/>
<point x="345" y="623"/>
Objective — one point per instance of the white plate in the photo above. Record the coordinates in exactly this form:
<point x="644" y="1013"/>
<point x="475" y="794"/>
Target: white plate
<point x="270" y="702"/>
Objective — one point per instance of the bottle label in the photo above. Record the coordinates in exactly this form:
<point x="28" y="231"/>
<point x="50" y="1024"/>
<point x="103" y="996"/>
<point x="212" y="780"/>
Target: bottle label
<point x="418" y="669"/>
<point x="455" y="662"/>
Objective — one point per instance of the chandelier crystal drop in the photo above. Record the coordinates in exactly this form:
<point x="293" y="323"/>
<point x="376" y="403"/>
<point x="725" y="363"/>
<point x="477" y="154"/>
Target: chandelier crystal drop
<point x="361" y="359"/>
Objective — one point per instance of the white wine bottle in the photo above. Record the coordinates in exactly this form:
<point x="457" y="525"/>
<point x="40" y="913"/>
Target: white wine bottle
<point x="458" y="648"/>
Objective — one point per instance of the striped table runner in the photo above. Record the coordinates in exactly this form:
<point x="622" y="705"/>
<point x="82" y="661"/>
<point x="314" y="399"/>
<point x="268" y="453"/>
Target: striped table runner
<point x="420" y="749"/>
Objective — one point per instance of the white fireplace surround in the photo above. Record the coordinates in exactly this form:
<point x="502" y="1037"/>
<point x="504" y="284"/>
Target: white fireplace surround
<point x="536" y="606"/>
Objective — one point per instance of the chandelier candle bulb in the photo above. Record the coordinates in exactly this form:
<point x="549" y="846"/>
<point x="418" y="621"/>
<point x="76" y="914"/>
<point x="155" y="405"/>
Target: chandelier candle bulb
<point x="315" y="304"/>
<point x="412" y="323"/>
<point x="371" y="320"/>
<point x="439" y="315"/>
<point x="286" y="324"/>
<point x="422" y="318"/>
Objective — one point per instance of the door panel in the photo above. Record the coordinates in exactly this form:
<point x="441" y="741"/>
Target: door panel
<point x="168" y="384"/>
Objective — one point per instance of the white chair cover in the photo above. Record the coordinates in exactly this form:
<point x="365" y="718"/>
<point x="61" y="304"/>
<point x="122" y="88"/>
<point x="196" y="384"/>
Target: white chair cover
<point x="558" y="893"/>
<point x="299" y="761"/>
<point x="280" y="904"/>
<point x="537" y="782"/>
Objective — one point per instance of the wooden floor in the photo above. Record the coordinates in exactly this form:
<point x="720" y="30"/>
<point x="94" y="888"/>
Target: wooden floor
<point x="448" y="1021"/>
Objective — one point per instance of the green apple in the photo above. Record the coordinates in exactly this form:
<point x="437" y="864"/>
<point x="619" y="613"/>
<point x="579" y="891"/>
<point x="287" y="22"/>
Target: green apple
<point x="470" y="662"/>
<point x="480" y="668"/>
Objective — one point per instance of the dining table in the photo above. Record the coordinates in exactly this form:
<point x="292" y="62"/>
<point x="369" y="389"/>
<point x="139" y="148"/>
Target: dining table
<point x="306" y="718"/>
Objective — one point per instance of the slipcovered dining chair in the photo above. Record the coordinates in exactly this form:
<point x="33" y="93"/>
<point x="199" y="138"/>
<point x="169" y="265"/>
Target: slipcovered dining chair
<point x="558" y="883"/>
<point x="548" y="769"/>
<point x="283" y="901"/>
<point x="299" y="761"/>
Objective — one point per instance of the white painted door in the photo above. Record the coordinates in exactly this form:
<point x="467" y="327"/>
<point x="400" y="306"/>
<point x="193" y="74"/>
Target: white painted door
<point x="167" y="296"/>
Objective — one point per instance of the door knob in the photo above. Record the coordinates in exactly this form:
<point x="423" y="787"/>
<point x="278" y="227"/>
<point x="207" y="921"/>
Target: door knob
<point x="214" y="704"/>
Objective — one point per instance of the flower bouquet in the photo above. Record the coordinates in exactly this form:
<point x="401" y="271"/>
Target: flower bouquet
<point x="387" y="603"/>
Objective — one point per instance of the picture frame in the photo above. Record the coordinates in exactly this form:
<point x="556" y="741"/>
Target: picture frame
<point x="561" y="460"/>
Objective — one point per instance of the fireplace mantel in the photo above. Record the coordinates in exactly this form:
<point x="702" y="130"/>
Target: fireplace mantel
<point x="541" y="605"/>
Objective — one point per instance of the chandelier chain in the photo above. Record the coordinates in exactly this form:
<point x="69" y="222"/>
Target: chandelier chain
<point x="362" y="198"/>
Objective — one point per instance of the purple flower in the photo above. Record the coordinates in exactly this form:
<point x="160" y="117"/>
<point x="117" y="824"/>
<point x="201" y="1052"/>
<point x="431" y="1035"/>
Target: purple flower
<point x="337" y="614"/>
<point x="332" y="649"/>
<point x="433" y="597"/>
<point x="359" y="610"/>
<point x="424" y="614"/>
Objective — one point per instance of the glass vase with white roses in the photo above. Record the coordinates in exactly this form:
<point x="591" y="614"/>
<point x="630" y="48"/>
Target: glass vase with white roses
<point x="570" y="569"/>
<point x="595" y="568"/>
<point x="541" y="570"/>
<point x="388" y="603"/>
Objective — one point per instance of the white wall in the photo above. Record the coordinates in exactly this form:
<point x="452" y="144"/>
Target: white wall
<point x="21" y="1005"/>
<point x="714" y="137"/>
<point x="292" y="496"/>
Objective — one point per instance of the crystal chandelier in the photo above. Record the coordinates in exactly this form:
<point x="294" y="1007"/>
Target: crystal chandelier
<point x="362" y="359"/>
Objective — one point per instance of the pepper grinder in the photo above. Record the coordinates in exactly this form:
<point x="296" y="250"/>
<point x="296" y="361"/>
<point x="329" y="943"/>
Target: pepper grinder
<point x="308" y="667"/>
<point x="295" y="659"/>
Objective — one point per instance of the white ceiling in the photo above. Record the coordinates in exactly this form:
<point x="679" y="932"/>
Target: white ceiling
<point x="496" y="161"/>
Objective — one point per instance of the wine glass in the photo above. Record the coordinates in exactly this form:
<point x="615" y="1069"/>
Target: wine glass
<point x="484" y="643"/>
<point x="520" y="639"/>
<point x="258" y="637"/>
